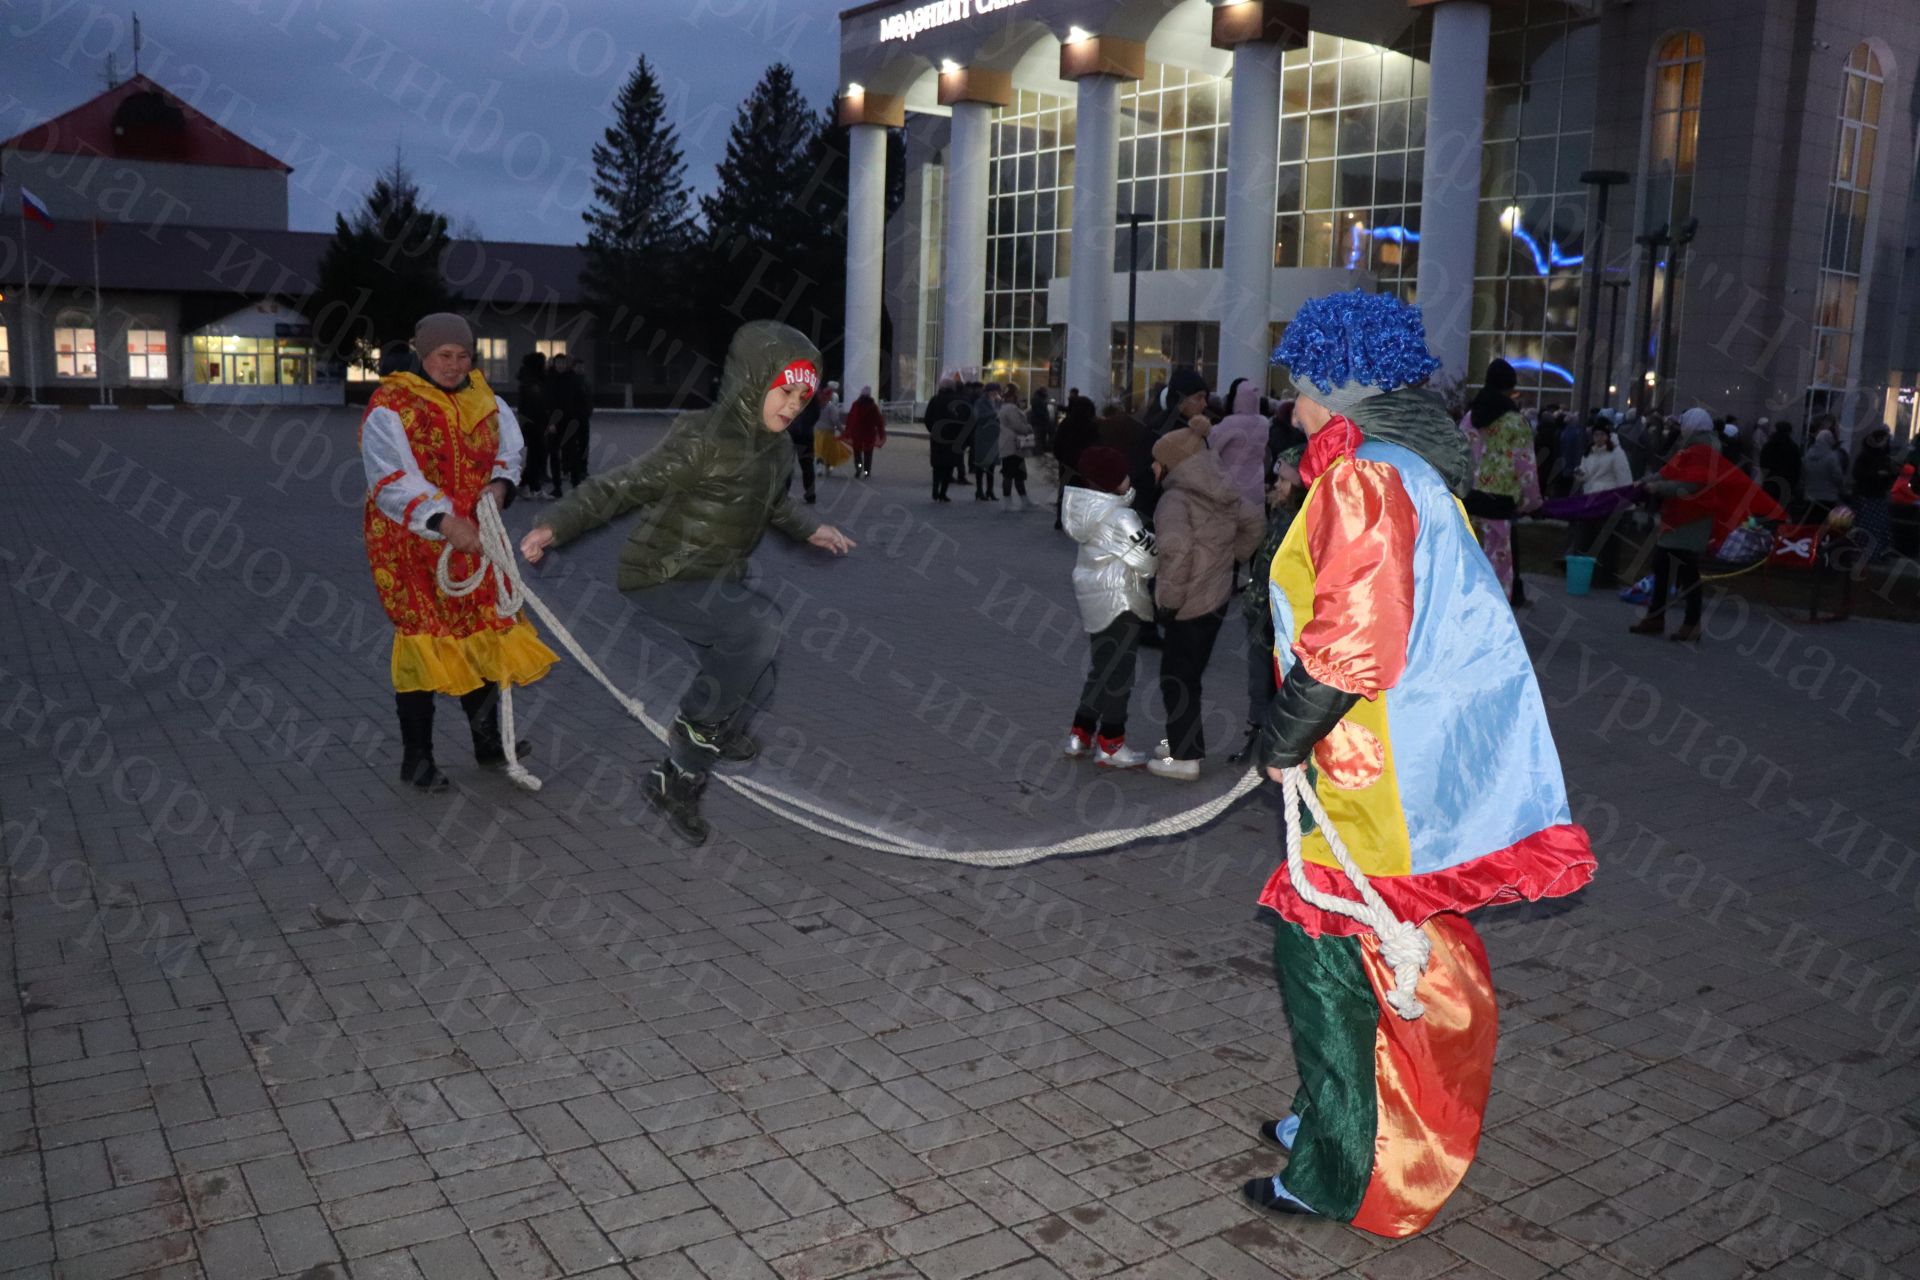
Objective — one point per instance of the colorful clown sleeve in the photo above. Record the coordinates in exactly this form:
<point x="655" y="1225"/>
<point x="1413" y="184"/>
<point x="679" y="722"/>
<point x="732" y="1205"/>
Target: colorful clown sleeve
<point x="1390" y="1109"/>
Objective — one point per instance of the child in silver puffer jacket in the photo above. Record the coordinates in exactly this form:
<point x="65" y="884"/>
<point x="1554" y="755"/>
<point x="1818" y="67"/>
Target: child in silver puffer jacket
<point x="1110" y="579"/>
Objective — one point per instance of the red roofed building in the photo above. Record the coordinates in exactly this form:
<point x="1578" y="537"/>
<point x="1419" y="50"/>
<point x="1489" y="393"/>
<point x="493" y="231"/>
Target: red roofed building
<point x="137" y="153"/>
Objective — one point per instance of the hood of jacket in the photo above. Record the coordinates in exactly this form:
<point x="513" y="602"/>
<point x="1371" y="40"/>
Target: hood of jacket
<point x="759" y="351"/>
<point x="1489" y="407"/>
<point x="1082" y="511"/>
<point x="1416" y="418"/>
<point x="1202" y="476"/>
<point x="1245" y="400"/>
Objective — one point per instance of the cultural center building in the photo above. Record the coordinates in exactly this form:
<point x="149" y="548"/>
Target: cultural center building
<point x="157" y="266"/>
<point x="1665" y="202"/>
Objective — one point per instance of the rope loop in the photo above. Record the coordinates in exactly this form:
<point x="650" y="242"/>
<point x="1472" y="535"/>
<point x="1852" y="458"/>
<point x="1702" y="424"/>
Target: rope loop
<point x="1403" y="945"/>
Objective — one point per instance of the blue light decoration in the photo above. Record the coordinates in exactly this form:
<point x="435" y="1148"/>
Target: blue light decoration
<point x="1543" y="263"/>
<point x="1527" y="364"/>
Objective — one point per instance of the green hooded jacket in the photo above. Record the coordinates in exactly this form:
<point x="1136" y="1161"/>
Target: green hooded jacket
<point x="712" y="487"/>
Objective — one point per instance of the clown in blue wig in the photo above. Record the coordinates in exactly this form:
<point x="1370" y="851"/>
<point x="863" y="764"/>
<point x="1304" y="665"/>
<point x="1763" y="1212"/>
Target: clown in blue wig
<point x="1406" y="691"/>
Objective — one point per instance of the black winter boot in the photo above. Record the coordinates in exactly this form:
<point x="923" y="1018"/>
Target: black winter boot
<point x="482" y="709"/>
<point x="416" y="741"/>
<point x="675" y="794"/>
<point x="728" y="744"/>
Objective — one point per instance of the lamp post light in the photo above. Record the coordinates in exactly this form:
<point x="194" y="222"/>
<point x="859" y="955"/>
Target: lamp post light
<point x="1133" y="219"/>
<point x="1604" y="181"/>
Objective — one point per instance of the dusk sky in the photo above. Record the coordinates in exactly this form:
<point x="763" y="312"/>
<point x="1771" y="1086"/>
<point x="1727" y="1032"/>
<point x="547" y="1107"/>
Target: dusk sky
<point x="495" y="103"/>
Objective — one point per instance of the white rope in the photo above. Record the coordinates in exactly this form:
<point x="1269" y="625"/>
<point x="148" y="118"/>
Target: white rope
<point x="1404" y="947"/>
<point x="513" y="595"/>
<point x="496" y="556"/>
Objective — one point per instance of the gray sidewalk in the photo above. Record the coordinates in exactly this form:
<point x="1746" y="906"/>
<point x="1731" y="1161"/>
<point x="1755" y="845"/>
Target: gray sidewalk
<point x="277" y="1015"/>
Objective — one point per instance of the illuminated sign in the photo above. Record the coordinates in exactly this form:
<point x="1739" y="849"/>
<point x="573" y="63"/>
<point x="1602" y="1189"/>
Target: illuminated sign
<point x="909" y="23"/>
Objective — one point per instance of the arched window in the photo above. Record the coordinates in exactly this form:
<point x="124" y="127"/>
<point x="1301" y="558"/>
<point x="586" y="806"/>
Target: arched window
<point x="1837" y="306"/>
<point x="1673" y="152"/>
<point x="73" y="345"/>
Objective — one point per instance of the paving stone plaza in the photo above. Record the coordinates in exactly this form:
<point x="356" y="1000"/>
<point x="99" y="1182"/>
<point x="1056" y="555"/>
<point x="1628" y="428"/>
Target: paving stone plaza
<point x="274" y="1014"/>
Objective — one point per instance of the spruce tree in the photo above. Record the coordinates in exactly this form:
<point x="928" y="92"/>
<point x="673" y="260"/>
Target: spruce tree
<point x="640" y="220"/>
<point x="381" y="271"/>
<point x="760" y="230"/>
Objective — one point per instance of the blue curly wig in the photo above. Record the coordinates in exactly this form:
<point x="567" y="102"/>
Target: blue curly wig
<point x="1367" y="342"/>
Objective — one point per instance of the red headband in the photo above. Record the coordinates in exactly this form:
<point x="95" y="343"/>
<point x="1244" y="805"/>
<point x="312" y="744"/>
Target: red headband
<point x="800" y="373"/>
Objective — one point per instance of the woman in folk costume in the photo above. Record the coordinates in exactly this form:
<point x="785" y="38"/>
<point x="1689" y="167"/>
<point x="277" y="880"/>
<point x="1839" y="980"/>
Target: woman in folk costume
<point x="436" y="444"/>
<point x="1407" y="694"/>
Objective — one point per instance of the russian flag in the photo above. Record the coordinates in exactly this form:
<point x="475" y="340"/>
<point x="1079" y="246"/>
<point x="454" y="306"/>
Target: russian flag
<point x="33" y="210"/>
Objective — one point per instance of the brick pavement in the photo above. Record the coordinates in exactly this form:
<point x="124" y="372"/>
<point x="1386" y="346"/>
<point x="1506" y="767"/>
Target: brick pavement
<point x="278" y="1016"/>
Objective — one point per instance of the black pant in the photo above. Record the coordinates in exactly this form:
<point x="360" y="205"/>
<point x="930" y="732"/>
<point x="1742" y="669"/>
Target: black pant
<point x="1664" y="558"/>
<point x="983" y="480"/>
<point x="941" y="456"/>
<point x="734" y="632"/>
<point x="481" y="708"/>
<point x="534" y="474"/>
<point x="1013" y="477"/>
<point x="863" y="461"/>
<point x="1109" y="684"/>
<point x="1260" y="685"/>
<point x="574" y="438"/>
<point x="1185" y="647"/>
<point x="803" y="454"/>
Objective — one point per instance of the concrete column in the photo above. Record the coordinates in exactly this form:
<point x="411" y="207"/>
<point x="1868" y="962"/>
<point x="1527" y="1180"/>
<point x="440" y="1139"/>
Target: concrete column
<point x="1090" y="281"/>
<point x="1253" y="143"/>
<point x="1450" y="191"/>
<point x="963" y="280"/>
<point x="866" y="246"/>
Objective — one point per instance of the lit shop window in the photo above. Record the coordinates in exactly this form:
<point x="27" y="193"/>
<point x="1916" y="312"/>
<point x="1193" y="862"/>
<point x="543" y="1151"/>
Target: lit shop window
<point x="147" y="355"/>
<point x="491" y="355"/>
<point x="73" y="349"/>
<point x="6" y="359"/>
<point x="251" y="362"/>
<point x="551" y="347"/>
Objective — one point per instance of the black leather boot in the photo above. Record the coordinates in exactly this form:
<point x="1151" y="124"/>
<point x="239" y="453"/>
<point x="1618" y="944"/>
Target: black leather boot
<point x="416" y="741"/>
<point x="482" y="709"/>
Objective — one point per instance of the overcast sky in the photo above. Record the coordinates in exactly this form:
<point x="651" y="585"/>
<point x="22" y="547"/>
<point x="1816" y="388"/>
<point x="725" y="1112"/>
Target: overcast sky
<point x="496" y="103"/>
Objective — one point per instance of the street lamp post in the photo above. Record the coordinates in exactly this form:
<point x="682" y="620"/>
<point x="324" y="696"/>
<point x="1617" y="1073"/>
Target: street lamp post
<point x="1133" y="219"/>
<point x="1652" y="242"/>
<point x="1614" y="289"/>
<point x="1603" y="180"/>
<point x="1663" y="360"/>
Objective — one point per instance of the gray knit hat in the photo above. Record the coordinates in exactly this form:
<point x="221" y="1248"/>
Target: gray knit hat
<point x="442" y="329"/>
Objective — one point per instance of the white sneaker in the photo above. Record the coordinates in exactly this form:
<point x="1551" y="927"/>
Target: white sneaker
<point x="1178" y="770"/>
<point x="1077" y="748"/>
<point x="1120" y="757"/>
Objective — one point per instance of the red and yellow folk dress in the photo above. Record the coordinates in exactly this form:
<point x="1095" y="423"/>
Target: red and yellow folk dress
<point x="429" y="452"/>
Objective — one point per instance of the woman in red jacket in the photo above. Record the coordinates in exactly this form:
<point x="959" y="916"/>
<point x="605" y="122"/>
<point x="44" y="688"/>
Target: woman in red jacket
<point x="866" y="431"/>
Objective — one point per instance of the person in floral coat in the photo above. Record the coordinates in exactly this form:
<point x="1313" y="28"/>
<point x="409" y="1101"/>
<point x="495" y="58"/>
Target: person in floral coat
<point x="1506" y="479"/>
<point x="437" y="444"/>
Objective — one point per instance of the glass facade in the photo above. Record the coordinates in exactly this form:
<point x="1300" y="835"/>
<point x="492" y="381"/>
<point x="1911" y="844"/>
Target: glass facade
<point x="1837" y="308"/>
<point x="1533" y="209"/>
<point x="1173" y="167"/>
<point x="1353" y="125"/>
<point x="224" y="360"/>
<point x="1030" y="186"/>
<point x="1673" y="147"/>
